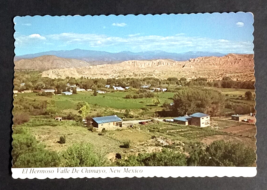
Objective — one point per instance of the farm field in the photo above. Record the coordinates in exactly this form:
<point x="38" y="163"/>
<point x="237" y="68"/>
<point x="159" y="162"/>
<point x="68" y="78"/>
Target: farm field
<point x="114" y="100"/>
<point x="140" y="137"/>
<point x="49" y="131"/>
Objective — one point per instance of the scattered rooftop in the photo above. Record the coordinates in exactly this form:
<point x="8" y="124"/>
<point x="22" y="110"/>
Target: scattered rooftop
<point x="199" y="115"/>
<point x="107" y="119"/>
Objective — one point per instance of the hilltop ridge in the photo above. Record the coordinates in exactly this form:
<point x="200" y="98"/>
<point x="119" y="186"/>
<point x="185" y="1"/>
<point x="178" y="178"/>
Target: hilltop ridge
<point x="236" y="66"/>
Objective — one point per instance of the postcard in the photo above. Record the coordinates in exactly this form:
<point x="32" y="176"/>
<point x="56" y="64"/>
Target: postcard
<point x="134" y="96"/>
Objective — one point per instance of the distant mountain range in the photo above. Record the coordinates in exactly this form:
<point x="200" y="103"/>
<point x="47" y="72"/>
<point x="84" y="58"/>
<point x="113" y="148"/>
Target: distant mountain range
<point x="102" y="57"/>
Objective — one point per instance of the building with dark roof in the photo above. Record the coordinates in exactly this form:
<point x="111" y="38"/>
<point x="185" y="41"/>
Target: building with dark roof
<point x="107" y="122"/>
<point x="238" y="117"/>
<point x="200" y="119"/>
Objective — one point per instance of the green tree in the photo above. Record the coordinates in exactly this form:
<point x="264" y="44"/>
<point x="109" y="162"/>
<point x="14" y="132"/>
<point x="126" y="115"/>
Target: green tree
<point x="74" y="91"/>
<point x="81" y="155"/>
<point x="248" y="95"/>
<point x="95" y="93"/>
<point x="198" y="100"/>
<point x="84" y="110"/>
<point x="164" y="158"/>
<point x="156" y="101"/>
<point x="221" y="153"/>
<point x="27" y="152"/>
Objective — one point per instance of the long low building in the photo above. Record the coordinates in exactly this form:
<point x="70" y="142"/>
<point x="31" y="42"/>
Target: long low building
<point x="238" y="117"/>
<point x="107" y="122"/>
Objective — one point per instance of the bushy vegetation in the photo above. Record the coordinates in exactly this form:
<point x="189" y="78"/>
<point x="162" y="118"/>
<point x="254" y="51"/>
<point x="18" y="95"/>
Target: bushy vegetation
<point x="27" y="152"/>
<point x="190" y="100"/>
<point x="126" y="144"/>
<point x="221" y="153"/>
<point x="164" y="158"/>
<point x="20" y="118"/>
<point x="62" y="139"/>
<point x="81" y="155"/>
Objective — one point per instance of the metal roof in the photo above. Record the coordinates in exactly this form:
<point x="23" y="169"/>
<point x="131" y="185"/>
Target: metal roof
<point x="184" y="118"/>
<point x="107" y="119"/>
<point x="237" y="115"/>
<point x="199" y="115"/>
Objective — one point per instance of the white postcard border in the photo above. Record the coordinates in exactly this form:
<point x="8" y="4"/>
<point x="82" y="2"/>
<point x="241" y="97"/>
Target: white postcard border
<point x="129" y="172"/>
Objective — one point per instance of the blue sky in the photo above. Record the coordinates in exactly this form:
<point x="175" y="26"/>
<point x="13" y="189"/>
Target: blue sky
<point x="225" y="33"/>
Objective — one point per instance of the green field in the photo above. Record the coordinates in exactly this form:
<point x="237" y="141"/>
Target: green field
<point x="114" y="100"/>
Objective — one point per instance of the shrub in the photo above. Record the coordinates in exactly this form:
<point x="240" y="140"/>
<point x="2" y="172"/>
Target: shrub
<point x="221" y="153"/>
<point x="27" y="152"/>
<point x="164" y="158"/>
<point x="248" y="95"/>
<point x="92" y="129"/>
<point x="126" y="144"/>
<point x="128" y="96"/>
<point x="81" y="155"/>
<point x="135" y="96"/>
<point x="62" y="139"/>
<point x="20" y="118"/>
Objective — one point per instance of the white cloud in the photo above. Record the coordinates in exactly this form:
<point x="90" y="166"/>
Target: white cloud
<point x="134" y="42"/>
<point x="36" y="36"/>
<point x="23" y="41"/>
<point x="119" y="24"/>
<point x="132" y="35"/>
<point x="26" y="24"/>
<point x="240" y="24"/>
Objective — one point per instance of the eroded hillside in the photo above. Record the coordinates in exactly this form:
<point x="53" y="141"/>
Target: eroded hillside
<point x="238" y="67"/>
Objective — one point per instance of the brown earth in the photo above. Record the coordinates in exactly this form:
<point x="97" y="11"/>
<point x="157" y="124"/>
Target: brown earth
<point x="48" y="62"/>
<point x="242" y="133"/>
<point x="238" y="67"/>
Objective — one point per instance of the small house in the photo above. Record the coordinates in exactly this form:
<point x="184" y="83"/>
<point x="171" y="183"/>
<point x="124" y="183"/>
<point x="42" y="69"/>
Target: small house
<point x="107" y="122"/>
<point x="238" y="117"/>
<point x="15" y="91"/>
<point x="89" y="90"/>
<point x="80" y="89"/>
<point x="145" y="86"/>
<point x="184" y="120"/>
<point x="200" y="119"/>
<point x="118" y="88"/>
<point x="48" y="90"/>
<point x="26" y="91"/>
<point x="58" y="118"/>
<point x="67" y="93"/>
<point x="100" y="92"/>
<point x="107" y="86"/>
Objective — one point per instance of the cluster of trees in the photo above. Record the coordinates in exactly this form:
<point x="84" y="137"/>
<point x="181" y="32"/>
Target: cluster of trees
<point x="227" y="82"/>
<point x="219" y="153"/>
<point x="34" y="107"/>
<point x="33" y="81"/>
<point x="188" y="101"/>
<point x="146" y="94"/>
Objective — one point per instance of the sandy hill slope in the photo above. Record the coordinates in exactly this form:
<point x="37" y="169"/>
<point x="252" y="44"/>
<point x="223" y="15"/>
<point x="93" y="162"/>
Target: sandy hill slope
<point x="238" y="67"/>
<point x="48" y="62"/>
